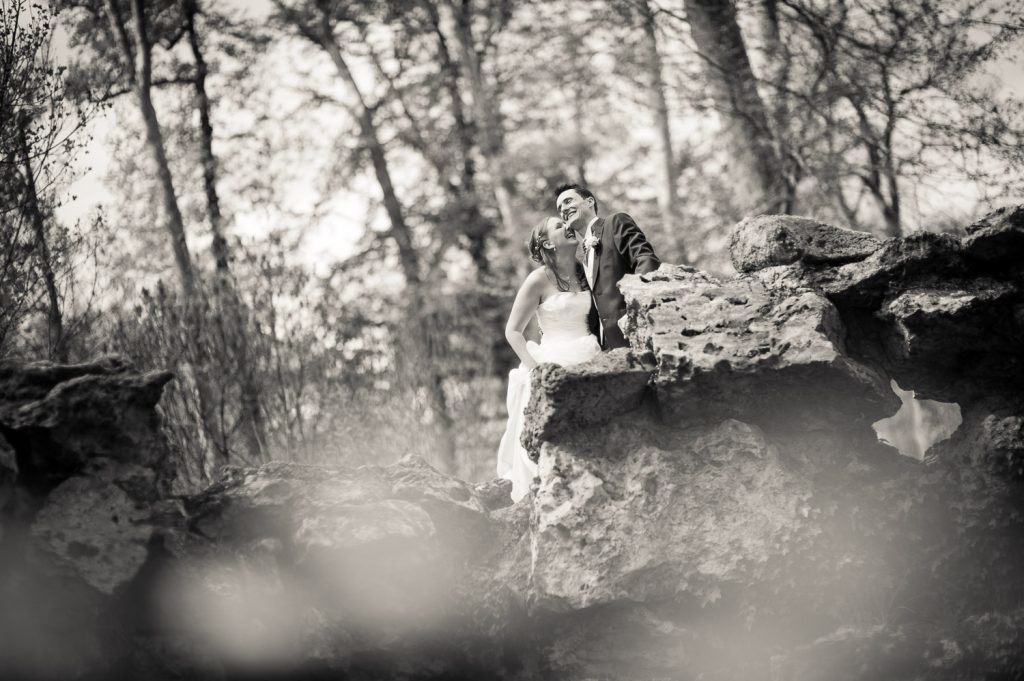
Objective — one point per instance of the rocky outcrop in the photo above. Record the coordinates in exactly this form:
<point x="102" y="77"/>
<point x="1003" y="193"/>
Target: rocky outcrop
<point x="83" y="469"/>
<point x="749" y="490"/>
<point x="62" y="418"/>
<point x="345" y="569"/>
<point x="765" y="240"/>
<point x="712" y="503"/>
<point x="83" y="444"/>
<point x="740" y="350"/>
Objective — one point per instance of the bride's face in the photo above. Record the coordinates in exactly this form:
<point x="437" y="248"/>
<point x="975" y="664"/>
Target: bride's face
<point x="559" y="235"/>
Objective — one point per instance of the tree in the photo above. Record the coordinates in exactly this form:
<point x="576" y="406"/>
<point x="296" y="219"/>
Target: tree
<point x="318" y="22"/>
<point x="475" y="32"/>
<point x="886" y="101"/>
<point x="667" y="197"/>
<point x="755" y="165"/>
<point x="224" y="285"/>
<point x="642" y="17"/>
<point x="136" y="57"/>
<point x="121" y="43"/>
<point x="38" y="140"/>
<point x="447" y="145"/>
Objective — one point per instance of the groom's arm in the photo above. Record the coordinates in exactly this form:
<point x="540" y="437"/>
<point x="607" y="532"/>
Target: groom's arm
<point x="632" y="244"/>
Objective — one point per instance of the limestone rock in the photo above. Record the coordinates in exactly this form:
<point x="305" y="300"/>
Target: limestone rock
<point x="738" y="350"/>
<point x="980" y="643"/>
<point x="919" y="257"/>
<point x="92" y="468"/>
<point x="569" y="401"/>
<point x="91" y="462"/>
<point x="373" y="556"/>
<point x="23" y="383"/>
<point x="453" y="505"/>
<point x="495" y="494"/>
<point x="715" y="506"/>
<point x="91" y="525"/>
<point x="955" y="341"/>
<point x="991" y="438"/>
<point x="766" y="240"/>
<point x="998" y="237"/>
<point x="934" y="312"/>
<point x="61" y="417"/>
<point x="8" y="470"/>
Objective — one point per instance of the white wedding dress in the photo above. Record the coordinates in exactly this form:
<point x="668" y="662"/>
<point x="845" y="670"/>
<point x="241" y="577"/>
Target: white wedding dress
<point x="565" y="340"/>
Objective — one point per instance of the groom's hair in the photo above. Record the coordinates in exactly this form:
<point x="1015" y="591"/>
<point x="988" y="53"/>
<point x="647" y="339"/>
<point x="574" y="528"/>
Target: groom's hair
<point x="579" y="189"/>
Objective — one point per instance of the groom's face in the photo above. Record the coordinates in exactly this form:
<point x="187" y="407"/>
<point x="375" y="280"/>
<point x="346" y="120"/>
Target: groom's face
<point x="576" y="211"/>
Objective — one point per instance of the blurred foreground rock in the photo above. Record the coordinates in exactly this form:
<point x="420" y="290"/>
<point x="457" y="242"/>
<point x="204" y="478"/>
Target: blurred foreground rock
<point x="712" y="503"/>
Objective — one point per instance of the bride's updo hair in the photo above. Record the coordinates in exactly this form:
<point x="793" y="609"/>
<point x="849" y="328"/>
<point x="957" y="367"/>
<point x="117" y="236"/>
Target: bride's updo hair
<point x="546" y="256"/>
<point x="536" y="243"/>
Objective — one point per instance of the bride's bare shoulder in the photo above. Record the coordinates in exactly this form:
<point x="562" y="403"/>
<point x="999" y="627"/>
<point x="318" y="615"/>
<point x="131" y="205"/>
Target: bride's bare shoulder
<point x="535" y="278"/>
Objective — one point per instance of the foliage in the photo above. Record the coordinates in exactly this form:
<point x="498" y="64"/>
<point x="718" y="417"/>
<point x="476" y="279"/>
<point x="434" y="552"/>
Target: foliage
<point x="886" y="105"/>
<point x="428" y="136"/>
<point x="338" y="381"/>
<point x="40" y="137"/>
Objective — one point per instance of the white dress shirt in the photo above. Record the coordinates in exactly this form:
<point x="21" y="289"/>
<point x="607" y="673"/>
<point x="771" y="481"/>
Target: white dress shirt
<point x="589" y="265"/>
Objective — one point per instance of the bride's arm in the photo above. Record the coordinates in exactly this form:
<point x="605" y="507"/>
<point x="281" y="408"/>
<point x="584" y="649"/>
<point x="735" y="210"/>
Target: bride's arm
<point x="523" y="308"/>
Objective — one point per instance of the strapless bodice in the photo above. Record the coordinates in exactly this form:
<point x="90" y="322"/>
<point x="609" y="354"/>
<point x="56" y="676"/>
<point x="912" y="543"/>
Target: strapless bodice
<point x="563" y="316"/>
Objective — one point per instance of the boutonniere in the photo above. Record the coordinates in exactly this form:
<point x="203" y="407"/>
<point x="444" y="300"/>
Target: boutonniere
<point x="590" y="242"/>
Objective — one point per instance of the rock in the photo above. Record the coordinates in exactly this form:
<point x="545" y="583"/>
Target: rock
<point x="979" y="642"/>
<point x="569" y="401"/>
<point x="766" y="240"/>
<point x="59" y="418"/>
<point x="955" y="341"/>
<point x="1001" y="444"/>
<point x="495" y="494"/>
<point x="922" y="257"/>
<point x="23" y="383"/>
<point x="991" y="438"/>
<point x="997" y="238"/>
<point x="372" y="557"/>
<point x="8" y="470"/>
<point x="453" y="505"/>
<point x="932" y="311"/>
<point x="763" y="391"/>
<point x="94" y="527"/>
<point x="738" y="350"/>
<point x="87" y="445"/>
<point x="716" y="505"/>
<point x="92" y="469"/>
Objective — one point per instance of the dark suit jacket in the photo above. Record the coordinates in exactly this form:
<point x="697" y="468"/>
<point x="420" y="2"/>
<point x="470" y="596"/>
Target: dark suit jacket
<point x="622" y="249"/>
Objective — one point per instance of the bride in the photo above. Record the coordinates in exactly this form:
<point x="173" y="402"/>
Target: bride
<point x="559" y="294"/>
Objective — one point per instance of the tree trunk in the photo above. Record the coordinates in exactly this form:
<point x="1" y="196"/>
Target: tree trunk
<point x="402" y="235"/>
<point x="141" y="76"/>
<point x="140" y="73"/>
<point x="668" y="197"/>
<point x="778" y="64"/>
<point x="253" y="427"/>
<point x="57" y="347"/>
<point x="400" y="231"/>
<point x="491" y="137"/>
<point x="892" y="212"/>
<point x="478" y="226"/>
<point x="880" y="170"/>
<point x="744" y="118"/>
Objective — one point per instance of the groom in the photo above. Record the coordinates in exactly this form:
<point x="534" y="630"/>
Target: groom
<point x="613" y="246"/>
